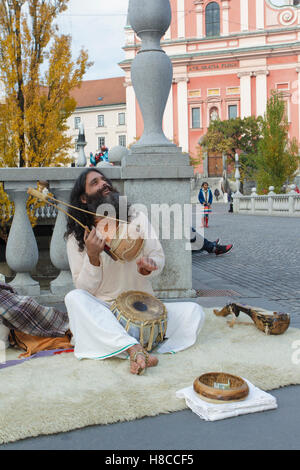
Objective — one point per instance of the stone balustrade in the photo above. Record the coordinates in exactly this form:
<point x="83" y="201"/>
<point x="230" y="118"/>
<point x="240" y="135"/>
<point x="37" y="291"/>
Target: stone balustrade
<point x="284" y="205"/>
<point x="22" y="251"/>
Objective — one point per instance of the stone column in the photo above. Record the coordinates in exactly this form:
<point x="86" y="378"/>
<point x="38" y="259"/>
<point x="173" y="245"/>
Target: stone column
<point x="199" y="17"/>
<point x="58" y="251"/>
<point x="181" y="18"/>
<point x="205" y="165"/>
<point x="131" y="113"/>
<point x="261" y="91"/>
<point x="245" y="86"/>
<point x="168" y="121"/>
<point x="21" y="249"/>
<point x="244" y="15"/>
<point x="296" y="97"/>
<point x="253" y="196"/>
<point x="270" y="199"/>
<point x="182" y="111"/>
<point x="156" y="172"/>
<point x="260" y="14"/>
<point x="225" y="16"/>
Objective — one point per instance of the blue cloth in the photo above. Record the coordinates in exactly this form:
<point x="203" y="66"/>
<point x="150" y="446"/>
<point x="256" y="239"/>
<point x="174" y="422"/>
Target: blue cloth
<point x="201" y="197"/>
<point x="105" y="156"/>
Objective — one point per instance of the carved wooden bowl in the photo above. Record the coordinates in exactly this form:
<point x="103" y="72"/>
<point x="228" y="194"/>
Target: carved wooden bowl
<point x="207" y="386"/>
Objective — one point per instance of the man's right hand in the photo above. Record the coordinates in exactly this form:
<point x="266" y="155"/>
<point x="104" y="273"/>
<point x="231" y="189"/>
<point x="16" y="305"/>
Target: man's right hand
<point x="94" y="246"/>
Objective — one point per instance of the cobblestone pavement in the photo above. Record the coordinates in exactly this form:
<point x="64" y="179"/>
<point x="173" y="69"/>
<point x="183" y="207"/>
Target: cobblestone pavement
<point x="265" y="261"/>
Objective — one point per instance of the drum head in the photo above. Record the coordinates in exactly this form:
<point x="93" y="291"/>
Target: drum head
<point x="141" y="306"/>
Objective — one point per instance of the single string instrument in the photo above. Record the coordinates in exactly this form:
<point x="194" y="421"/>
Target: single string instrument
<point x="120" y="246"/>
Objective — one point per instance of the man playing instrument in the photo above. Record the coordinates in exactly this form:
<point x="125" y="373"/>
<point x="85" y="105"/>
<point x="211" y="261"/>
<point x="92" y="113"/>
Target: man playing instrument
<point x="99" y="280"/>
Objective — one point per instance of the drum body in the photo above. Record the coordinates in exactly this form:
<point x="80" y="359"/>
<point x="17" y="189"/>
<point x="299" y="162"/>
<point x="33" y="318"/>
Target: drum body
<point x="122" y="246"/>
<point x="143" y="316"/>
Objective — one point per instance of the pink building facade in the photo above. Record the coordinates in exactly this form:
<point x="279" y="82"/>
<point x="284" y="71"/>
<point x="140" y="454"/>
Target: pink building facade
<point x="227" y="56"/>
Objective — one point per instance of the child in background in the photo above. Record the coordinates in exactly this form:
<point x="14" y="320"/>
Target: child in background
<point x="205" y="198"/>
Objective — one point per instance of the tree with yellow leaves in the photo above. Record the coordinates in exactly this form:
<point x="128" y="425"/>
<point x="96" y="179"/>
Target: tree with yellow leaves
<point x="36" y="106"/>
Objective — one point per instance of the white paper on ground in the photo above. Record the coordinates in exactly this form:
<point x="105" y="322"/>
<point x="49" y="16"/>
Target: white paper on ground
<point x="257" y="400"/>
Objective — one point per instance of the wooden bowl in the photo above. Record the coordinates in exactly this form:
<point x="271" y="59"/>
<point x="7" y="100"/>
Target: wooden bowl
<point x="205" y="386"/>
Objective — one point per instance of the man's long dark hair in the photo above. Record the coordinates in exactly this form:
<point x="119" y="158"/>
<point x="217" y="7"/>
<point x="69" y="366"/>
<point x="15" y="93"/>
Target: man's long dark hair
<point x="73" y="228"/>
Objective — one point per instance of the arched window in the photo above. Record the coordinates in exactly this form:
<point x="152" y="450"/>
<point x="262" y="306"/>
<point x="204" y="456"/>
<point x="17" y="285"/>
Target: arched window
<point x="212" y="19"/>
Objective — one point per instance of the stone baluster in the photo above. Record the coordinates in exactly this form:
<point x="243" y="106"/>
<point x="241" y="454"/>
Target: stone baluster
<point x="253" y="196"/>
<point x="151" y="70"/>
<point x="270" y="199"/>
<point x="21" y="249"/>
<point x="58" y="252"/>
<point x="292" y="194"/>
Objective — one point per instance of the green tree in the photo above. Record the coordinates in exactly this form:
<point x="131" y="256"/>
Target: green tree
<point x="278" y="156"/>
<point x="235" y="135"/>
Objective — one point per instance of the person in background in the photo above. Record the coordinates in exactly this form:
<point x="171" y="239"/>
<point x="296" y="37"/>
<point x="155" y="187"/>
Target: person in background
<point x="205" y="198"/>
<point x="230" y="201"/>
<point x="217" y="194"/>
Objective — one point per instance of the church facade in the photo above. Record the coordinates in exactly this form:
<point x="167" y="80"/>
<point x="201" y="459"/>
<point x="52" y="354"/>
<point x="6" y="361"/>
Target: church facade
<point x="227" y="56"/>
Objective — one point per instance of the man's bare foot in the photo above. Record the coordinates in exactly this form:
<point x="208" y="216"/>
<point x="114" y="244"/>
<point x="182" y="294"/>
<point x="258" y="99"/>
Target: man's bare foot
<point x="140" y="359"/>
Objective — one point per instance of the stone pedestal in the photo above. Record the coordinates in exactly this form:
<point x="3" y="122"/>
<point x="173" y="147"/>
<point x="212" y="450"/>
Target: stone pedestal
<point x="159" y="179"/>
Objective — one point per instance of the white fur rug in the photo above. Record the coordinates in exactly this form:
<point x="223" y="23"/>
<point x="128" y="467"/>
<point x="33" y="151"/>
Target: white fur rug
<point x="60" y="393"/>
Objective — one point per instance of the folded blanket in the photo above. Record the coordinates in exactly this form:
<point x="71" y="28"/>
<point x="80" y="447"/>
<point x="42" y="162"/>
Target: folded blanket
<point x="24" y="314"/>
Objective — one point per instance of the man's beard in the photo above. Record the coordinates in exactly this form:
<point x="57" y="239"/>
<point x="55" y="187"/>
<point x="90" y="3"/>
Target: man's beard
<point x="95" y="201"/>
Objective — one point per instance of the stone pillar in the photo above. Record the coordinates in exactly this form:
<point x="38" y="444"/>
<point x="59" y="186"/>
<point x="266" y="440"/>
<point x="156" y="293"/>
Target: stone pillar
<point x="205" y="165"/>
<point x="253" y="196"/>
<point x="181" y="18"/>
<point x="182" y="111"/>
<point x="58" y="251"/>
<point x="225" y="16"/>
<point x="260" y="14"/>
<point x="156" y="172"/>
<point x="168" y="121"/>
<point x="131" y="112"/>
<point x="296" y="97"/>
<point x="21" y="249"/>
<point x="270" y="199"/>
<point x="261" y="91"/>
<point x="244" y="15"/>
<point x="199" y="17"/>
<point x="245" y="87"/>
<point x="292" y="195"/>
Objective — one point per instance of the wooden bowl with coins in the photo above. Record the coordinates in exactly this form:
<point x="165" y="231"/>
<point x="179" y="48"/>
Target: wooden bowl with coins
<point x="220" y="387"/>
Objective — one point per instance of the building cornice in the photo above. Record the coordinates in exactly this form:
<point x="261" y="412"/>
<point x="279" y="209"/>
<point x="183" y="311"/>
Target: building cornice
<point x="196" y="40"/>
<point x="230" y="54"/>
<point x="105" y="107"/>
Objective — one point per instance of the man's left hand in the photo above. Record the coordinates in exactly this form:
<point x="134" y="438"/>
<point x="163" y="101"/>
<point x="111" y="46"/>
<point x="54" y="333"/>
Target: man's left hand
<point x="146" y="266"/>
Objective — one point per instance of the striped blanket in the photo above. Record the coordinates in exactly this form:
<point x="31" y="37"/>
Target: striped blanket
<point x="24" y="314"/>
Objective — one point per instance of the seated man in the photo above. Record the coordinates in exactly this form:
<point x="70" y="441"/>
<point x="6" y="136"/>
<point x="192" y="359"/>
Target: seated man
<point x="99" y="280"/>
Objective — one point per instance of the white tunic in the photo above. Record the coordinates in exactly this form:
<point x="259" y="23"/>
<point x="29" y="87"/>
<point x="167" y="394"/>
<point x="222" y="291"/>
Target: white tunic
<point x="96" y="332"/>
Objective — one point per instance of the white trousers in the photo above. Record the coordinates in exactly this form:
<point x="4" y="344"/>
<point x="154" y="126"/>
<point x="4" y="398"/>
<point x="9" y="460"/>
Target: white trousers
<point x="97" y="334"/>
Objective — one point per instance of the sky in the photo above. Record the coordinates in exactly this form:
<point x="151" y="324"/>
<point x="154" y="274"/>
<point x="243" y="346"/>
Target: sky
<point x="98" y="26"/>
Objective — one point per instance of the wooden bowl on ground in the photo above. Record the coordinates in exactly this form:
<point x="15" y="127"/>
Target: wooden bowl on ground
<point x="219" y="387"/>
